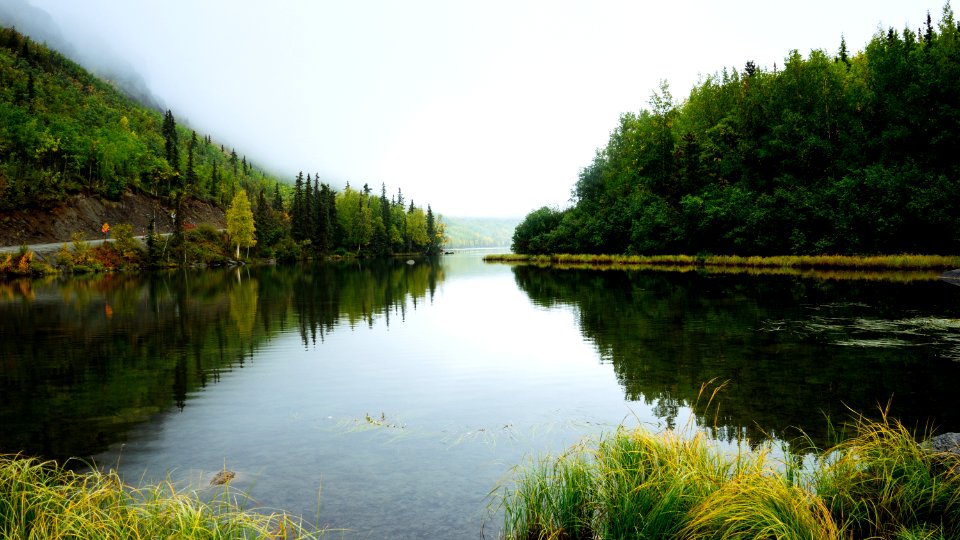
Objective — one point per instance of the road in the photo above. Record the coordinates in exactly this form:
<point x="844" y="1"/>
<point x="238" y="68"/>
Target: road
<point x="48" y="252"/>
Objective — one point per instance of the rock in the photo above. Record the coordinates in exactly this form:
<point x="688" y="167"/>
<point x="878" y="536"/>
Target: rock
<point x="952" y="276"/>
<point x="945" y="443"/>
<point x="222" y="477"/>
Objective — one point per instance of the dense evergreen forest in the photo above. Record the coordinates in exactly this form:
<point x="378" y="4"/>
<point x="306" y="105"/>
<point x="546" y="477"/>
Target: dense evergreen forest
<point x="64" y="131"/>
<point x="848" y="154"/>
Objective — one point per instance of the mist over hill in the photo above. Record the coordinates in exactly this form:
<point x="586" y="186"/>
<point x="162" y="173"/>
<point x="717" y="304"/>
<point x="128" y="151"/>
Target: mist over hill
<point x="88" y="51"/>
<point x="475" y="232"/>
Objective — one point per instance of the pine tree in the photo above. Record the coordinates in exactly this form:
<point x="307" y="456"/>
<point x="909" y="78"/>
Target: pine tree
<point x="384" y="207"/>
<point x="277" y="199"/>
<point x="171" y="145"/>
<point x="324" y="238"/>
<point x="433" y="246"/>
<point x="842" y="56"/>
<point x="215" y="190"/>
<point x="191" y="175"/>
<point x="309" y="231"/>
<point x="296" y="212"/>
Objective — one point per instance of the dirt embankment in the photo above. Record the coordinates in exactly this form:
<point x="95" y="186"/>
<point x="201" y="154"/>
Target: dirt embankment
<point x="86" y="214"/>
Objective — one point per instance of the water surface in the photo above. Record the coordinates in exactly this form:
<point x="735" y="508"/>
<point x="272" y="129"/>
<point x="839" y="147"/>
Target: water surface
<point x="390" y="399"/>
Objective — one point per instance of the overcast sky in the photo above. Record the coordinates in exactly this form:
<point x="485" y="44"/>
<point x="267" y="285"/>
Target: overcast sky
<point x="479" y="108"/>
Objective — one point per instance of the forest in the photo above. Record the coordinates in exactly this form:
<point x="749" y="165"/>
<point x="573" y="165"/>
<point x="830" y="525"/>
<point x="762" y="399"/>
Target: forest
<point x="65" y="131"/>
<point x="852" y="153"/>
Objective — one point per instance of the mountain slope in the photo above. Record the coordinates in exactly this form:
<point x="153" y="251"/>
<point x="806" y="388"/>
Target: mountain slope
<point x="65" y="133"/>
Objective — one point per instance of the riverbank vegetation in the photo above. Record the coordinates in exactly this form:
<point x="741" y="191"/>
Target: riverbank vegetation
<point x="23" y="263"/>
<point x="848" y="153"/>
<point x="634" y="484"/>
<point x="895" y="267"/>
<point x="46" y="500"/>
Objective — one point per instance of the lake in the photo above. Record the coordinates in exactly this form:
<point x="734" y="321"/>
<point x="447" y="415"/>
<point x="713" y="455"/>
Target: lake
<point x="388" y="400"/>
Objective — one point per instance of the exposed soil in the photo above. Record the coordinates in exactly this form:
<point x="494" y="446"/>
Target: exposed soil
<point x="86" y="214"/>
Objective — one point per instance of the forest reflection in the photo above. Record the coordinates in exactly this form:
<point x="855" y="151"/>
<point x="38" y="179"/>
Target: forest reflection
<point x="82" y="360"/>
<point x="792" y="354"/>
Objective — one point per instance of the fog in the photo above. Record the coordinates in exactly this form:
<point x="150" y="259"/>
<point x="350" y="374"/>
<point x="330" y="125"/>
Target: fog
<point x="477" y="108"/>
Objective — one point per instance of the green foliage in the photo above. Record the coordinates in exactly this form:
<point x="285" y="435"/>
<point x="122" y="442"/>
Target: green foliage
<point x="240" y="223"/>
<point x="23" y="264"/>
<point x="64" y="131"/>
<point x="850" y="154"/>
<point x="533" y="235"/>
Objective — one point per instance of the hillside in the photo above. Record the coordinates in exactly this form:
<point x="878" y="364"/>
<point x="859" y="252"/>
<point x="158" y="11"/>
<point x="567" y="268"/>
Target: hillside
<point x="473" y="232"/>
<point x="846" y="153"/>
<point x="68" y="137"/>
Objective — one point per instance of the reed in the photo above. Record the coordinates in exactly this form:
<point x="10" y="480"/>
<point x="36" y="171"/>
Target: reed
<point x="634" y="484"/>
<point x="45" y="500"/>
<point x="881" y="483"/>
<point x="847" y="262"/>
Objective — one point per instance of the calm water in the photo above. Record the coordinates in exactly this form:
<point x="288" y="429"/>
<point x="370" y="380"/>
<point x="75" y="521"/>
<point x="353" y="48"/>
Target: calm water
<point x="389" y="400"/>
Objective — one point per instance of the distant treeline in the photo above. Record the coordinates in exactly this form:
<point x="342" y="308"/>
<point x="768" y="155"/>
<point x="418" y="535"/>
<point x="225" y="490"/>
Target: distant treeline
<point x="473" y="232"/>
<point x="849" y="154"/>
<point x="64" y="131"/>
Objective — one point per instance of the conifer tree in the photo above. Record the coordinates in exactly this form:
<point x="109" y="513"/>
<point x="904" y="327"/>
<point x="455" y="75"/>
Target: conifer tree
<point x="307" y="211"/>
<point x="171" y="145"/>
<point x="191" y="175"/>
<point x="433" y="246"/>
<point x="277" y="199"/>
<point x="296" y="211"/>
<point x="215" y="183"/>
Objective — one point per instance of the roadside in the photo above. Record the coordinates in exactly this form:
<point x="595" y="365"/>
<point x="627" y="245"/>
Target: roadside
<point x="86" y="215"/>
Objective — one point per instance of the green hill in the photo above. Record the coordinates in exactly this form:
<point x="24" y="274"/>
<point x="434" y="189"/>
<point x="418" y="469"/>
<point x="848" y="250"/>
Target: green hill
<point x="471" y="232"/>
<point x="64" y="131"/>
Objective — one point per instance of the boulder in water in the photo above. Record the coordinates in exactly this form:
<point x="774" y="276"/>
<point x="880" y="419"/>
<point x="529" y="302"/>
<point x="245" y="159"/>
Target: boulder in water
<point x="945" y="443"/>
<point x="222" y="477"/>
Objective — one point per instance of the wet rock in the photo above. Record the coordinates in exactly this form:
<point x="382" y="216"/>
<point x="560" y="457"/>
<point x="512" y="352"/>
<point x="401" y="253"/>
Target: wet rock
<point x="945" y="443"/>
<point x="222" y="477"/>
<point x="952" y="276"/>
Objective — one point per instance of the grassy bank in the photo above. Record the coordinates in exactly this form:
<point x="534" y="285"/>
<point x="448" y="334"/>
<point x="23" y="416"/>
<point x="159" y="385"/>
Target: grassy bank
<point x="926" y="266"/>
<point x="44" y="500"/>
<point x="635" y="484"/>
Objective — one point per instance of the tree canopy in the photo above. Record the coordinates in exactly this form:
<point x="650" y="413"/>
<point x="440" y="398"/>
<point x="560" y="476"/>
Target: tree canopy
<point x="851" y="153"/>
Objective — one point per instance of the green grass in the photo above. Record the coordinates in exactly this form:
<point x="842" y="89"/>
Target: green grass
<point x="635" y="484"/>
<point x="44" y="500"/>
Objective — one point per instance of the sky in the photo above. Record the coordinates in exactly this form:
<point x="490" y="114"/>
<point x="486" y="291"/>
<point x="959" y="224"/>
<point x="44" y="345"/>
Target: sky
<point x="479" y="108"/>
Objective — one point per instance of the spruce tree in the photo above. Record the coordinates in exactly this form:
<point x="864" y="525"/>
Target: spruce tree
<point x="191" y="175"/>
<point x="171" y="145"/>
<point x="277" y="199"/>
<point x="432" y="244"/>
<point x="296" y="212"/>
<point x="309" y="231"/>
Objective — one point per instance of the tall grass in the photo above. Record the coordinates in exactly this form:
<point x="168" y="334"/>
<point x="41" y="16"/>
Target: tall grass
<point x="40" y="500"/>
<point x="637" y="484"/>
